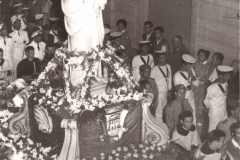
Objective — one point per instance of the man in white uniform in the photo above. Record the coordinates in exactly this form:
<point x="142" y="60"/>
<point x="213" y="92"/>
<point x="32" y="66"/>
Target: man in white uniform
<point x="54" y="22"/>
<point x="38" y="45"/>
<point x="163" y="77"/>
<point x="143" y="58"/>
<point x="216" y="98"/>
<point x="39" y="21"/>
<point x="20" y="39"/>
<point x="185" y="76"/>
<point x="18" y="15"/>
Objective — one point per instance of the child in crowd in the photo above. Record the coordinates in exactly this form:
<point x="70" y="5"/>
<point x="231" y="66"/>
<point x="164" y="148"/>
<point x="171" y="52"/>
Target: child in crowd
<point x="216" y="98"/>
<point x="163" y="77"/>
<point x="143" y="58"/>
<point x="186" y="76"/>
<point x="177" y="106"/>
<point x="185" y="133"/>
<point x="125" y="39"/>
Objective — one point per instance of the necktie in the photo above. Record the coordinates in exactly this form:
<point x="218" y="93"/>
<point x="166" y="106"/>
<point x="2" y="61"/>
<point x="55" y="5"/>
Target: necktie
<point x="38" y="47"/>
<point x="4" y="40"/>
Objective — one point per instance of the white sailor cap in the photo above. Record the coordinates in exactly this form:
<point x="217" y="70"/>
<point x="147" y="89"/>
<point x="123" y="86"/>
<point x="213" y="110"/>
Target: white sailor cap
<point x="115" y="34"/>
<point x="18" y="5"/>
<point x="163" y="50"/>
<point x="38" y="16"/>
<point x="106" y="30"/>
<point x="14" y="19"/>
<point x="188" y="58"/>
<point x="223" y="68"/>
<point x="25" y="8"/>
<point x="36" y="33"/>
<point x="54" y="19"/>
<point x="143" y="42"/>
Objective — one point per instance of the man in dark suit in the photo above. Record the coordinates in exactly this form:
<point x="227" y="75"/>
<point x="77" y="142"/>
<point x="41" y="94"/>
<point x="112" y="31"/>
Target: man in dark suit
<point x="46" y="36"/>
<point x="148" y="35"/>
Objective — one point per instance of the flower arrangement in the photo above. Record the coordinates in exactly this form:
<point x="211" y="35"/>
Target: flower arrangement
<point x="19" y="147"/>
<point x="55" y="91"/>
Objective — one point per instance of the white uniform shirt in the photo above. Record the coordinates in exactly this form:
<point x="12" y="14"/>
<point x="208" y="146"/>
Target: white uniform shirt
<point x="55" y="34"/>
<point x="19" y="40"/>
<point x="137" y="62"/>
<point x="23" y="24"/>
<point x="7" y="48"/>
<point x="39" y="52"/>
<point x="213" y="76"/>
<point x="215" y="99"/>
<point x="164" y="81"/>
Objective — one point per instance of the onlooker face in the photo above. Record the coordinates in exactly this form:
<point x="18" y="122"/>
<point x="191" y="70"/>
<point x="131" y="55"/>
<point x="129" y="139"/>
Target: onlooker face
<point x="26" y="13"/>
<point x="215" y="61"/>
<point x="202" y="57"/>
<point x="1" y="56"/>
<point x="51" y="51"/>
<point x="187" y="122"/>
<point x="30" y="24"/>
<point x="219" y="144"/>
<point x="117" y="41"/>
<point x="148" y="87"/>
<point x="189" y="67"/>
<point x="237" y="135"/>
<point x="180" y="94"/>
<point x="158" y="34"/>
<point x="145" y="73"/>
<point x="235" y="66"/>
<point x="54" y="25"/>
<point x="39" y="22"/>
<point x="147" y="28"/>
<point x="30" y="54"/>
<point x="17" y="25"/>
<point x="225" y="77"/>
<point x="18" y="10"/>
<point x="144" y="49"/>
<point x="121" y="27"/>
<point x="162" y="59"/>
<point x="4" y="32"/>
<point x="176" y="42"/>
<point x="236" y="113"/>
<point x="37" y="38"/>
<point x="46" y="31"/>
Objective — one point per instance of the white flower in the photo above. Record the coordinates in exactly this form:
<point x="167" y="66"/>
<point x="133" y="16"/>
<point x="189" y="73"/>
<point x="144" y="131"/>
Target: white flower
<point x="20" y="144"/>
<point x="30" y="141"/>
<point x="42" y="90"/>
<point x="18" y="101"/>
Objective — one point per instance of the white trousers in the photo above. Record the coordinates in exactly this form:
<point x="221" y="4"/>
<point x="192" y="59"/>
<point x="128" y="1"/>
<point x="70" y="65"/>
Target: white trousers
<point x="214" y="120"/>
<point x="162" y="101"/>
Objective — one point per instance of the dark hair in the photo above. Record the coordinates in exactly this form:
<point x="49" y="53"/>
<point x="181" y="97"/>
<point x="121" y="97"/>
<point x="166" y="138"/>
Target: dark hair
<point x="215" y="135"/>
<point x="205" y="52"/>
<point x="234" y="126"/>
<point x="160" y="29"/>
<point x="185" y="114"/>
<point x="219" y="56"/>
<point x="142" y="84"/>
<point x="107" y="25"/>
<point x="29" y="48"/>
<point x="120" y="52"/>
<point x="148" y="23"/>
<point x="123" y="21"/>
<point x="1" y="50"/>
<point x="158" y="55"/>
<point x="179" y="37"/>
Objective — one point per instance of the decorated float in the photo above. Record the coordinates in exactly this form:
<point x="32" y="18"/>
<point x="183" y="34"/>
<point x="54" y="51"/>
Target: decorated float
<point x="79" y="108"/>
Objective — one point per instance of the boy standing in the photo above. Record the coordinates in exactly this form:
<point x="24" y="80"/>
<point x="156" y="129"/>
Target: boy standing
<point x="216" y="98"/>
<point x="185" y="133"/>
<point x="177" y="106"/>
<point x="163" y="77"/>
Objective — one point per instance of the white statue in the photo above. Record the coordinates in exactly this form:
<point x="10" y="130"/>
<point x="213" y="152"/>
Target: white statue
<point x="84" y="23"/>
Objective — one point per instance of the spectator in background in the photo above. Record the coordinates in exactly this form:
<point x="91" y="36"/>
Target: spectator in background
<point x="233" y="85"/>
<point x="213" y="148"/>
<point x="46" y="10"/>
<point x="55" y="29"/>
<point x="176" y="56"/>
<point x="159" y="41"/>
<point x="116" y="41"/>
<point x="18" y="14"/>
<point x="216" y="60"/>
<point x="30" y="26"/>
<point x="20" y="39"/>
<point x="216" y="98"/>
<point x="46" y="36"/>
<point x="122" y="53"/>
<point x="201" y="68"/>
<point x="39" y="21"/>
<point x="62" y="37"/>
<point x="125" y="39"/>
<point x="50" y="52"/>
<point x="36" y="7"/>
<point x="185" y="133"/>
<point x="149" y="35"/>
<point x="106" y="25"/>
<point x="161" y="73"/>
<point x="5" y="68"/>
<point x="25" y="15"/>
<point x="38" y="45"/>
<point x="225" y="125"/>
<point x="177" y="106"/>
<point x="143" y="58"/>
<point x="233" y="146"/>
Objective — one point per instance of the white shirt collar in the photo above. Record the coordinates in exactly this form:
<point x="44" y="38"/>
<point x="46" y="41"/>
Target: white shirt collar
<point x="236" y="145"/>
<point x="123" y="31"/>
<point x="205" y="62"/>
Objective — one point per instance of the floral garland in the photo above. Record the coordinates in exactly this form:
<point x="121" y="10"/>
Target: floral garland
<point x="75" y="99"/>
<point x="19" y="147"/>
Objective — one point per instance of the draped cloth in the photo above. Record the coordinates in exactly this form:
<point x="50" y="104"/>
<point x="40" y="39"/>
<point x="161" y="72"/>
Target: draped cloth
<point x="84" y="23"/>
<point x="70" y="149"/>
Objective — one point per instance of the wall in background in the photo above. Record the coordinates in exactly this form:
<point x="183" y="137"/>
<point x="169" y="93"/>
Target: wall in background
<point x="215" y="27"/>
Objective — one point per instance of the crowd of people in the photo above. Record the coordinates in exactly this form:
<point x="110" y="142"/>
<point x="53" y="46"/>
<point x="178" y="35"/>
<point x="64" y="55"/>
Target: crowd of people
<point x="197" y="98"/>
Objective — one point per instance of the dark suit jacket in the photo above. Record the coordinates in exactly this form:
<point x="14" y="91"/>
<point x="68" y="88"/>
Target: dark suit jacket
<point x="151" y="39"/>
<point x="157" y="47"/>
<point x="48" y="41"/>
